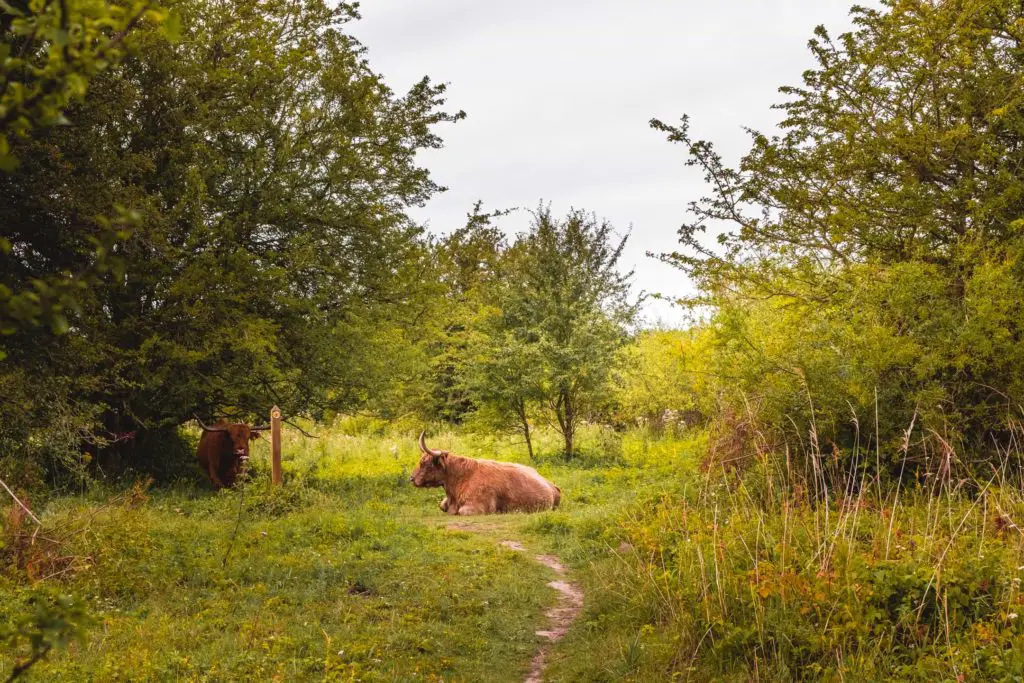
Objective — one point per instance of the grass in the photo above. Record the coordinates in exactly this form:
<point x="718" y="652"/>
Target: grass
<point x="743" y="577"/>
<point x="347" y="573"/>
<point x="350" y="573"/>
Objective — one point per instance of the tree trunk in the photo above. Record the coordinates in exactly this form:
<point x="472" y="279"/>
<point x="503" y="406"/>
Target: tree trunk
<point x="567" y="421"/>
<point x="525" y="426"/>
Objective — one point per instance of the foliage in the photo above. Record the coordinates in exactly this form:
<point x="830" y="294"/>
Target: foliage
<point x="868" y="259"/>
<point x="504" y="376"/>
<point x="36" y="622"/>
<point x="558" y="318"/>
<point x="663" y="382"/>
<point x="465" y="264"/>
<point x="49" y="52"/>
<point x="740" y="578"/>
<point x="272" y="260"/>
<point x="220" y="224"/>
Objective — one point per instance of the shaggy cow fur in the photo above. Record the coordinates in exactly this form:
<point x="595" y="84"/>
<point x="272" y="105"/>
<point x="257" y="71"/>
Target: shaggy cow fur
<point x="483" y="487"/>
<point x="224" y="450"/>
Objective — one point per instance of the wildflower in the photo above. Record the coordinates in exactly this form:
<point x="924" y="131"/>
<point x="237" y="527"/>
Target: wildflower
<point x="1011" y="616"/>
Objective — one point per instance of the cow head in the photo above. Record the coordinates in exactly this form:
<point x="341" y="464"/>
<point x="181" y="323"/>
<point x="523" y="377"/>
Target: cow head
<point x="432" y="467"/>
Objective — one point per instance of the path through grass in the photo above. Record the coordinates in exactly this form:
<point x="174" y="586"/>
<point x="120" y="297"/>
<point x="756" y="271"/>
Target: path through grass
<point x="348" y="573"/>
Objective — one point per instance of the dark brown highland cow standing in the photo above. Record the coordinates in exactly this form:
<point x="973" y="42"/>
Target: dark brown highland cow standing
<point x="483" y="487"/>
<point x="224" y="450"/>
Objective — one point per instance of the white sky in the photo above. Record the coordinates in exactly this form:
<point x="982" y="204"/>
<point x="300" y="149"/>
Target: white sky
<point x="558" y="96"/>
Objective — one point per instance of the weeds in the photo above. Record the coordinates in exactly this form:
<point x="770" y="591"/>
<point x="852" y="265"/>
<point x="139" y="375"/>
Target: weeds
<point x="799" y="570"/>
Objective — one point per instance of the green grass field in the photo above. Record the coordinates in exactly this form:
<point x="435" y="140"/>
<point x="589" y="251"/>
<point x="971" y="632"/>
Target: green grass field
<point x="347" y="573"/>
<point x="350" y="573"/>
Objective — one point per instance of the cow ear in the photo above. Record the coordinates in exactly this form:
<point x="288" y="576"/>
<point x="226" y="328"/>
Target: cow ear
<point x="253" y="436"/>
<point x="441" y="460"/>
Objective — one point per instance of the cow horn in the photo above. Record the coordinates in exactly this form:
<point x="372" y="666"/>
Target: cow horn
<point x="423" y="445"/>
<point x="208" y="429"/>
<point x="261" y="428"/>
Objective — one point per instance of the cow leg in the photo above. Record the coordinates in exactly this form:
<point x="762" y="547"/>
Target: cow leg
<point x="471" y="509"/>
<point x="215" y="477"/>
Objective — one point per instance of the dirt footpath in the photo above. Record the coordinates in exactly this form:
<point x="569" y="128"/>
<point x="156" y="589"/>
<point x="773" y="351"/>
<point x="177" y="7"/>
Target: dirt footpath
<point x="560" y="616"/>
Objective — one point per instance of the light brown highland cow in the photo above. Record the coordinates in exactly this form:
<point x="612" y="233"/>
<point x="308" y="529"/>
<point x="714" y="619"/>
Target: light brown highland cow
<point x="483" y="487"/>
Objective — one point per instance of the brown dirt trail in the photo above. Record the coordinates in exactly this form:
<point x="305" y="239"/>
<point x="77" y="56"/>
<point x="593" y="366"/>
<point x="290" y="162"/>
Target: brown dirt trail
<point x="560" y="616"/>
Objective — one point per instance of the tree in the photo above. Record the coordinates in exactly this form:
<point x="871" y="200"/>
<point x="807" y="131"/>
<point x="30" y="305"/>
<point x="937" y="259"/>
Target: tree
<point x="564" y="303"/>
<point x="662" y="381"/>
<point x="465" y="265"/>
<point x="273" y="259"/>
<point x="503" y="374"/>
<point x="875" y="245"/>
<point x="49" y="52"/>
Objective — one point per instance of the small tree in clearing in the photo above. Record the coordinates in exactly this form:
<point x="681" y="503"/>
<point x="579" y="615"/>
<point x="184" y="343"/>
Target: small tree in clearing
<point x="565" y="300"/>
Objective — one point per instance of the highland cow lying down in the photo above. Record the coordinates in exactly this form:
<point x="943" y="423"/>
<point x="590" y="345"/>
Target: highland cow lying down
<point x="483" y="487"/>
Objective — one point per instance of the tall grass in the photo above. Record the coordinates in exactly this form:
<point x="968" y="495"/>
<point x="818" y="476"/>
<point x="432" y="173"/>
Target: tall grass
<point x="789" y="570"/>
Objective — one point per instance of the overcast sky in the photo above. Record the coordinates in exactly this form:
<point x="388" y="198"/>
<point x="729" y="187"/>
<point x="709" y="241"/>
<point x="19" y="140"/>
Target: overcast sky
<point x="559" y="94"/>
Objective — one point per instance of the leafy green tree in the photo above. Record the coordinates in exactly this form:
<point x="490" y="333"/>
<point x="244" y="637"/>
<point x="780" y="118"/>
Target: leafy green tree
<point x="49" y="52"/>
<point x="663" y="380"/>
<point x="465" y="264"/>
<point x="273" y="260"/>
<point x="503" y="374"/>
<point x="565" y="303"/>
<point x="871" y="253"/>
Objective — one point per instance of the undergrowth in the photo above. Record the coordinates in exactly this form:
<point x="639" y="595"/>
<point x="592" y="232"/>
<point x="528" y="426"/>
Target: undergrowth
<point x="758" y="574"/>
<point x="691" y="572"/>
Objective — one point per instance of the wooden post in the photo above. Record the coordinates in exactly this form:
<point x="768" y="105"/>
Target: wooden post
<point x="275" y="446"/>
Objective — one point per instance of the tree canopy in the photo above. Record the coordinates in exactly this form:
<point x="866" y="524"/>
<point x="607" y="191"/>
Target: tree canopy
<point x="269" y="169"/>
<point x="561" y="314"/>
<point x="48" y="54"/>
<point x="870" y="254"/>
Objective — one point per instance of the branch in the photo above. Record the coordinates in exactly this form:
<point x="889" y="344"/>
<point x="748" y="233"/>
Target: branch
<point x="304" y="432"/>
<point x="28" y="664"/>
<point x="23" y="506"/>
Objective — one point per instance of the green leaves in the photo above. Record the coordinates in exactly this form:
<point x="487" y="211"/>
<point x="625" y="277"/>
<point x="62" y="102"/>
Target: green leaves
<point x="9" y="9"/>
<point x="226" y="215"/>
<point x="851" y="247"/>
<point x="172" y="27"/>
<point x="60" y="46"/>
<point x="560" y="313"/>
<point x="48" y="619"/>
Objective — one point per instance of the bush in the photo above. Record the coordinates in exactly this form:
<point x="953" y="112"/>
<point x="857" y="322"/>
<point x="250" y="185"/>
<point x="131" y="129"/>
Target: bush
<point x="868" y="273"/>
